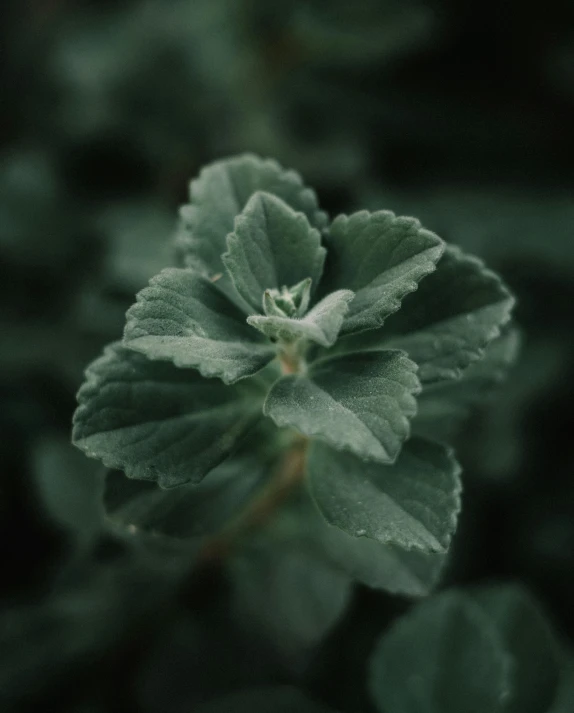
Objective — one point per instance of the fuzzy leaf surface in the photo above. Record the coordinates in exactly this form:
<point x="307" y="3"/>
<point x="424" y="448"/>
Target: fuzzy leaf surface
<point x="220" y="193"/>
<point x="382" y="258"/>
<point x="157" y="422"/>
<point x="320" y="325"/>
<point x="271" y="246"/>
<point x="445" y="656"/>
<point x="527" y="636"/>
<point x="182" y="317"/>
<point x="360" y="403"/>
<point x="413" y="503"/>
<point x="447" y="323"/>
<point x="394" y="569"/>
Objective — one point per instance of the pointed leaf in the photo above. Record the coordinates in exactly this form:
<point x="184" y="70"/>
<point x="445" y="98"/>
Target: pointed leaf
<point x="272" y="246"/>
<point x="188" y="511"/>
<point x="157" y="422"/>
<point x="527" y="636"/>
<point x="220" y="193"/>
<point x="183" y="318"/>
<point x="381" y="257"/>
<point x="446" y="324"/>
<point x="321" y="325"/>
<point x="360" y="403"/>
<point x="443" y="657"/>
<point x="412" y="504"/>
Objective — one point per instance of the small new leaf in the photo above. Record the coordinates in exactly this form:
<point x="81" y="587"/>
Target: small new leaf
<point x="381" y="257"/>
<point x="157" y="422"/>
<point x="219" y="194"/>
<point x="360" y="403"/>
<point x="443" y="657"/>
<point x="272" y="246"/>
<point x="182" y="317"/>
<point x="321" y="324"/>
<point x="412" y="504"/>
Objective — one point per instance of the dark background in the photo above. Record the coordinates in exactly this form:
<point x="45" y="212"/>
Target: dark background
<point x="459" y="113"/>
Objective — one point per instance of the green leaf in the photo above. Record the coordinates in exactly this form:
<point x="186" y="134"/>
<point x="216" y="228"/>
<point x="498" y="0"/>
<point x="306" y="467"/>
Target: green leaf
<point x="359" y="403"/>
<point x="564" y="702"/>
<point x="527" y="636"/>
<point x="321" y="324"/>
<point x="288" y="594"/>
<point x="381" y="257"/>
<point x="188" y="511"/>
<point x="219" y="194"/>
<point x="443" y="657"/>
<point x="272" y="246"/>
<point x="70" y="491"/>
<point x="447" y="323"/>
<point x="412" y="504"/>
<point x="183" y="318"/>
<point x="445" y="405"/>
<point x="157" y="422"/>
<point x="277" y="699"/>
<point x="396" y="570"/>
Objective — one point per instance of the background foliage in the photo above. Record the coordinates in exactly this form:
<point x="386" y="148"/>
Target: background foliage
<point x="460" y="115"/>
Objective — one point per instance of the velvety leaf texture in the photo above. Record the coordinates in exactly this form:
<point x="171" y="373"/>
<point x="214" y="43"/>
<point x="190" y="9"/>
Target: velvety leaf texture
<point x="220" y="193"/>
<point x="412" y="504"/>
<point x="443" y="657"/>
<point x="320" y="325"/>
<point x="158" y="422"/>
<point x="527" y="636"/>
<point x="183" y="318"/>
<point x="446" y="324"/>
<point x="271" y="246"/>
<point x="381" y="257"/>
<point x="360" y="403"/>
<point x="394" y="569"/>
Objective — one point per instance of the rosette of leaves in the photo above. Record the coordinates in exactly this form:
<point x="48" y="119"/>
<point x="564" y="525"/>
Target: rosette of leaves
<point x="286" y="355"/>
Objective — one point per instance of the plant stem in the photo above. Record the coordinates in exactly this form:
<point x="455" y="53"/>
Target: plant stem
<point x="290" y="473"/>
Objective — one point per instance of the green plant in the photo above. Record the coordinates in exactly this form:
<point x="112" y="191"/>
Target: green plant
<point x="273" y="379"/>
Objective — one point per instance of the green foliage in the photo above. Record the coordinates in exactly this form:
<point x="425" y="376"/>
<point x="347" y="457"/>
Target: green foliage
<point x="251" y="306"/>
<point x="490" y="649"/>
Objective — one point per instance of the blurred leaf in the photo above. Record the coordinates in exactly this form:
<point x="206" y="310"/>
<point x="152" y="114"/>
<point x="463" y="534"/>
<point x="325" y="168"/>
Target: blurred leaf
<point x="281" y="699"/>
<point x="528" y="638"/>
<point x="445" y="656"/>
<point x="443" y="407"/>
<point x="288" y="595"/>
<point x="190" y="510"/>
